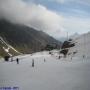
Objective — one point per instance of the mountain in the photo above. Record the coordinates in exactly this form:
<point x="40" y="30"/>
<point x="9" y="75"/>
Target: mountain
<point x="82" y="46"/>
<point x="6" y="49"/>
<point x="25" y="39"/>
<point x="75" y="35"/>
<point x="62" y="39"/>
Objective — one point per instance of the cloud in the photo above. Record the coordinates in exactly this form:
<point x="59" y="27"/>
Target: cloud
<point x="34" y="15"/>
<point x="41" y="18"/>
<point x="58" y="1"/>
<point x="76" y="24"/>
<point x="84" y="2"/>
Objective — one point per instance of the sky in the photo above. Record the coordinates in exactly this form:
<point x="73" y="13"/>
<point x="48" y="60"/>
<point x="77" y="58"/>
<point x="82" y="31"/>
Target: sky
<point x="55" y="17"/>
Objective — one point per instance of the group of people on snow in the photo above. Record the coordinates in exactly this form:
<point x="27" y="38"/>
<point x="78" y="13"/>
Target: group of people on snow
<point x="8" y="58"/>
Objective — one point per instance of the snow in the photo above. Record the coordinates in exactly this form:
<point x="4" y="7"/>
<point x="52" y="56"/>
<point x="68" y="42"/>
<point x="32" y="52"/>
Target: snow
<point x="51" y="74"/>
<point x="82" y="46"/>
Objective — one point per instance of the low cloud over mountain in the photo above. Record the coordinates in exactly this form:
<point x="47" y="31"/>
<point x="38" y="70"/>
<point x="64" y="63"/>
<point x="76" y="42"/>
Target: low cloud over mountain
<point x="33" y="15"/>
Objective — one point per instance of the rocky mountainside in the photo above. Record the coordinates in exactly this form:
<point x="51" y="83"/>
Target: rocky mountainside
<point x="25" y="39"/>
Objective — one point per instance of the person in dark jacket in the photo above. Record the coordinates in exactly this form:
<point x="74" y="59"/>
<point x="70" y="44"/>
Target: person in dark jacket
<point x="17" y="60"/>
<point x="44" y="60"/>
<point x="32" y="62"/>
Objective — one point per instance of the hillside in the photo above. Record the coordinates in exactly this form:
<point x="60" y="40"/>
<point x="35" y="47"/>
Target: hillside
<point x="81" y="48"/>
<point x="6" y="49"/>
<point x="23" y="38"/>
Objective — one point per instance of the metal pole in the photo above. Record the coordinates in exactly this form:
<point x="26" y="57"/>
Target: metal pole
<point x="67" y="36"/>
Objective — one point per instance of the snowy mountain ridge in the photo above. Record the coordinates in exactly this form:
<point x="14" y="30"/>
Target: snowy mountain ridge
<point x="82" y="46"/>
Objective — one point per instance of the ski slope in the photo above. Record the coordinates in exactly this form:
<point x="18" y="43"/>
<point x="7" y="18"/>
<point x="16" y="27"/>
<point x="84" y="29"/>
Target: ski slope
<point x="82" y="46"/>
<point x="51" y="74"/>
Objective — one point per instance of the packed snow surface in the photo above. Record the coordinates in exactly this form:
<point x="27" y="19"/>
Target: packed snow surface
<point x="51" y="74"/>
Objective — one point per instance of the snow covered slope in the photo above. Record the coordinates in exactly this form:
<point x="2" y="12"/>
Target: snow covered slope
<point x="82" y="46"/>
<point x="51" y="74"/>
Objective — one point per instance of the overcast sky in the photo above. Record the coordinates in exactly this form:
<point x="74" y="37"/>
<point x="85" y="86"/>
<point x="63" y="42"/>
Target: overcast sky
<point x="56" y="17"/>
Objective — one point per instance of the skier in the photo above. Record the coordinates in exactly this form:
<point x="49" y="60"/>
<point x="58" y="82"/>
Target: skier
<point x="44" y="60"/>
<point x="59" y="57"/>
<point x="71" y="58"/>
<point x="83" y="56"/>
<point x="32" y="62"/>
<point x="17" y="60"/>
